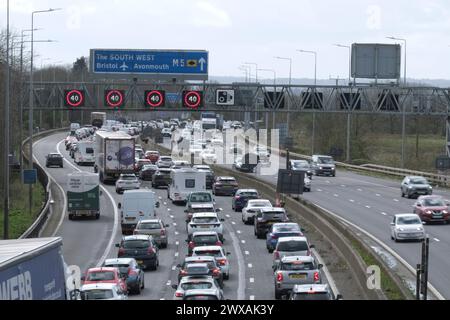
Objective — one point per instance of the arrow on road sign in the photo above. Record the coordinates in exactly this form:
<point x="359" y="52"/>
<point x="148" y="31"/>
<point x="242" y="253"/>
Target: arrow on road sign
<point x="202" y="61"/>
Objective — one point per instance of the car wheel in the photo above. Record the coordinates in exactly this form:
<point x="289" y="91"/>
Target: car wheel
<point x="408" y="195"/>
<point x="97" y="216"/>
<point x="70" y="217"/>
<point x="226" y="276"/>
<point x="277" y="295"/>
<point x="138" y="289"/>
<point x="143" y="282"/>
<point x="403" y="195"/>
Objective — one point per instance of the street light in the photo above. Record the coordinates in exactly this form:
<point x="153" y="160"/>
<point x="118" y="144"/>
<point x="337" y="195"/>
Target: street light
<point x="242" y="68"/>
<point x="30" y="117"/>
<point x="274" y="74"/>
<point x="349" y="60"/>
<point x="6" y="176"/>
<point x="290" y="66"/>
<point x="256" y="69"/>
<point x="315" y="63"/>
<point x="404" y="67"/>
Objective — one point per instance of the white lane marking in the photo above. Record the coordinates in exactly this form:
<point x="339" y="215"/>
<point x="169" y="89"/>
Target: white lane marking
<point x="232" y="222"/>
<point x="436" y="239"/>
<point x="174" y="267"/>
<point x="359" y="189"/>
<point x="159" y="197"/>
<point x="177" y="243"/>
<point x="241" y="268"/>
<point x="162" y="299"/>
<point x="328" y="181"/>
<point x="228" y="216"/>
<point x="351" y="200"/>
<point x="116" y="213"/>
<point x="252" y="297"/>
<point x="168" y="209"/>
<point x="251" y="280"/>
<point x="247" y="253"/>
<point x="320" y="190"/>
<point x="336" y="195"/>
<point x="250" y="265"/>
<point x="169" y="282"/>
<point x="396" y="200"/>
<point x="378" y="195"/>
<point x="326" y="271"/>
<point x="368" y="207"/>
<point x="174" y="224"/>
<point x="239" y="231"/>
<point x="384" y="213"/>
<point x="343" y="185"/>
<point x="243" y="241"/>
<point x="165" y="203"/>
<point x="177" y="233"/>
<point x="176" y="254"/>
<point x="172" y="217"/>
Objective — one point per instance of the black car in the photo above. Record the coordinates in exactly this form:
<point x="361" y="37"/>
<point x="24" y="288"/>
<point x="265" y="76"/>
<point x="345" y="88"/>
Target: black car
<point x="241" y="197"/>
<point x="54" y="159"/>
<point x="147" y="172"/>
<point x="266" y="218"/>
<point x="161" y="178"/>
<point x="143" y="248"/>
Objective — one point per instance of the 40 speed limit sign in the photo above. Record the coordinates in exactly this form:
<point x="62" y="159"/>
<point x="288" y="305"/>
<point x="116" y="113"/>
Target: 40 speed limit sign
<point x="192" y="99"/>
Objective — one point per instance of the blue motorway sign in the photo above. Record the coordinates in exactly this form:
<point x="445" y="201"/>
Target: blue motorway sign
<point x="144" y="62"/>
<point x="29" y="176"/>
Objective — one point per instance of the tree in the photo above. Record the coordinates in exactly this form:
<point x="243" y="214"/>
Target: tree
<point x="80" y="68"/>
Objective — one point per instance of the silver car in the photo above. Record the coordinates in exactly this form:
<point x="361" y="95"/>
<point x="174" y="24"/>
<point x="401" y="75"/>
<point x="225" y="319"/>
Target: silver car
<point x="295" y="270"/>
<point x="291" y="246"/>
<point x="219" y="254"/>
<point x="407" y="226"/>
<point x="312" y="292"/>
<point x="196" y="283"/>
<point x="155" y="228"/>
<point x="415" y="186"/>
<point x="164" y="162"/>
<point x="127" y="182"/>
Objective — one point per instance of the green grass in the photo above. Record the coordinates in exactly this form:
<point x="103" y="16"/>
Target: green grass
<point x="19" y="218"/>
<point x="388" y="286"/>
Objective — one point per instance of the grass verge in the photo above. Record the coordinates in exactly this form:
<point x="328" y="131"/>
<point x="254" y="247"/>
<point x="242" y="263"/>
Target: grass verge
<point x="19" y="217"/>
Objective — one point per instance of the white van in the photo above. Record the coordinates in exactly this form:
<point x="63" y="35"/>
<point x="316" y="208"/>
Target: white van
<point x="184" y="181"/>
<point x="84" y="153"/>
<point x="136" y="205"/>
<point x="74" y="127"/>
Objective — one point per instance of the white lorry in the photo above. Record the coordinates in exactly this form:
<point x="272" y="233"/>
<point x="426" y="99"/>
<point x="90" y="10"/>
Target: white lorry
<point x="183" y="182"/>
<point x="114" y="155"/>
<point x="83" y="195"/>
<point x="85" y="153"/>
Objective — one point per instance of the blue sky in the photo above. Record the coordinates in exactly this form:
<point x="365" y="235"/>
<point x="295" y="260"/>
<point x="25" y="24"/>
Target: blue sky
<point x="236" y="31"/>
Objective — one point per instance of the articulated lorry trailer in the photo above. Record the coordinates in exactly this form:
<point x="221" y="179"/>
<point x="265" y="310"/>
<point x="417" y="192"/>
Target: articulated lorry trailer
<point x="33" y="269"/>
<point x="114" y="155"/>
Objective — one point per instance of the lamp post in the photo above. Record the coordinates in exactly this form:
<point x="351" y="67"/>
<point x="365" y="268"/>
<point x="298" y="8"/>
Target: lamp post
<point x="315" y="84"/>
<point x="404" y="105"/>
<point x="6" y="176"/>
<point x="255" y="107"/>
<point x="256" y="69"/>
<point x="349" y="60"/>
<point x="30" y="116"/>
<point x="289" y="101"/>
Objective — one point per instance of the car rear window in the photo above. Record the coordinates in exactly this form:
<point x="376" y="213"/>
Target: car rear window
<point x="312" y="296"/>
<point x="203" y="197"/>
<point x="123" y="268"/>
<point x="201" y="297"/>
<point x="211" y="253"/>
<point x="205" y="239"/>
<point x="272" y="215"/>
<point x="54" y="156"/>
<point x="136" y="244"/>
<point x="166" y="159"/>
<point x="90" y="150"/>
<point x="150" y="225"/>
<point x="290" y="246"/>
<point x="197" y="269"/>
<point x="227" y="180"/>
<point x="288" y="228"/>
<point x="205" y="220"/>
<point x="98" y="294"/>
<point x="128" y="178"/>
<point x="100" y="276"/>
<point x="248" y="194"/>
<point x="260" y="204"/>
<point x="196" y="285"/>
<point x="298" y="266"/>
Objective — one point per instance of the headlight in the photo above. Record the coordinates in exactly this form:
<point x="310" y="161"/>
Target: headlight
<point x="401" y="229"/>
<point x="419" y="229"/>
<point x="409" y="187"/>
<point x="430" y="187"/>
<point x="333" y="168"/>
<point x="444" y="211"/>
<point x="320" y="168"/>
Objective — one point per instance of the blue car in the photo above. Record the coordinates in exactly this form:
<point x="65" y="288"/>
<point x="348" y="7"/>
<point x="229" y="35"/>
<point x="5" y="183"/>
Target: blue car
<point x="280" y="230"/>
<point x="241" y="197"/>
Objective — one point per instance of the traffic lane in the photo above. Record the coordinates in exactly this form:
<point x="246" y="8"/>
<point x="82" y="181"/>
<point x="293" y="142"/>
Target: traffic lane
<point x="83" y="240"/>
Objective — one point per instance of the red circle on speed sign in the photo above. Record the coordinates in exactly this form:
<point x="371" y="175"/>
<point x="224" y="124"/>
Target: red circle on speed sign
<point x="74" y="98"/>
<point x="192" y="99"/>
<point x="115" y="95"/>
<point x="154" y="98"/>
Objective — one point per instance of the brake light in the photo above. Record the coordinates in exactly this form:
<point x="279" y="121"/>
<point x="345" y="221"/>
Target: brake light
<point x="221" y="262"/>
<point x="150" y="250"/>
<point x="276" y="255"/>
<point x="191" y="245"/>
<point x="178" y="294"/>
<point x="216" y="271"/>
<point x="132" y="272"/>
<point x="279" y="277"/>
<point x="237" y="197"/>
<point x="121" y="252"/>
<point x="316" y="276"/>
<point x="274" y="236"/>
<point x="218" y="243"/>
<point x="183" y="272"/>
<point x="163" y="232"/>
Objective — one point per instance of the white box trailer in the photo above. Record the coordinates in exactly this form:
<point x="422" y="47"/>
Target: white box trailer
<point x="83" y="195"/>
<point x="114" y="155"/>
<point x="183" y="182"/>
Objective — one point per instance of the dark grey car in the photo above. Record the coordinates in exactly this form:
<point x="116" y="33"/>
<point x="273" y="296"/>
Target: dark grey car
<point x="142" y="248"/>
<point x="54" y="159"/>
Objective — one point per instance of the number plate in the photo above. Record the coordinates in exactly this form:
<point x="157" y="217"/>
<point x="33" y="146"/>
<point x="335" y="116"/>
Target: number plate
<point x="298" y="276"/>
<point x="130" y="218"/>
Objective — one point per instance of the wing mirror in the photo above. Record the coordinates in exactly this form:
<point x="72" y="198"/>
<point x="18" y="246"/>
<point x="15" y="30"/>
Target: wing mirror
<point x="418" y="204"/>
<point x="119" y="205"/>
<point x="219" y="210"/>
<point x="157" y="204"/>
<point x="174" y="286"/>
<point x="320" y="266"/>
<point x="167" y="225"/>
<point x="186" y="211"/>
<point x="392" y="224"/>
<point x="339" y="297"/>
<point x="311" y="246"/>
<point x="222" y="220"/>
<point x="117" y="245"/>
<point x="228" y="253"/>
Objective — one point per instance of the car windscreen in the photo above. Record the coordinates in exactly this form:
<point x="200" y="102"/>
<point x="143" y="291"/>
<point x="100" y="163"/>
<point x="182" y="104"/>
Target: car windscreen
<point x="433" y="202"/>
<point x="326" y="160"/>
<point x="290" y="246"/>
<point x="97" y="294"/>
<point x="419" y="181"/>
<point x="298" y="266"/>
<point x="100" y="276"/>
<point x="136" y="244"/>
<point x="408" y="220"/>
<point x="149" y="225"/>
<point x="205" y="239"/>
<point x="205" y="220"/>
<point x="196" y="285"/>
<point x="200" y="197"/>
<point x="312" y="296"/>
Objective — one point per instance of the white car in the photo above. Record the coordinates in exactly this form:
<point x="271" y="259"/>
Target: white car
<point x="127" y="182"/>
<point x="205" y="221"/>
<point x="219" y="254"/>
<point x="407" y="226"/>
<point x="252" y="207"/>
<point x="102" y="291"/>
<point x="262" y="152"/>
<point x="209" y="156"/>
<point x="215" y="142"/>
<point x="196" y="283"/>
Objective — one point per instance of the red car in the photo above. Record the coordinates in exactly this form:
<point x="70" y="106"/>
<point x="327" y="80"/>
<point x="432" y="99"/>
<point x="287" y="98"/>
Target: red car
<point x="432" y="209"/>
<point x="153" y="156"/>
<point x="104" y="275"/>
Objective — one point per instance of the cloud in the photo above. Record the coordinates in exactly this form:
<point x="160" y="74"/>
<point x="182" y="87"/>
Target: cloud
<point x="208" y="15"/>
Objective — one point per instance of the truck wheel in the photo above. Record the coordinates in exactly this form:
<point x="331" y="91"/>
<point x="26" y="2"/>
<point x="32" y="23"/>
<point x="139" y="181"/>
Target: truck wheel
<point x="97" y="216"/>
<point x="70" y="217"/>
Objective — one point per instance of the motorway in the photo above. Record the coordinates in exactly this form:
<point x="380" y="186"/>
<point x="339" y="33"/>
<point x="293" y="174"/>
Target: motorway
<point x="87" y="243"/>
